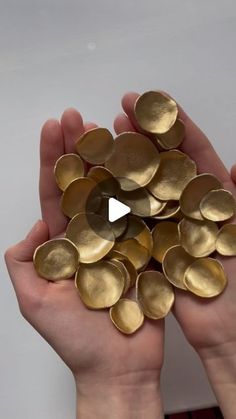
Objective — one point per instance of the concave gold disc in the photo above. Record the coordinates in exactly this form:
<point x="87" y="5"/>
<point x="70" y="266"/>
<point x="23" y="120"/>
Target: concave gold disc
<point x="125" y="273"/>
<point x="141" y="202"/>
<point x="193" y="193"/>
<point x="155" y="112"/>
<point x="134" y="161"/>
<point x="114" y="254"/>
<point x="171" y="209"/>
<point x="95" y="145"/>
<point x="118" y="226"/>
<point x="165" y="235"/>
<point x="100" y="284"/>
<point x="108" y="184"/>
<point x="56" y="259"/>
<point x="138" y="255"/>
<point x="137" y="229"/>
<point x="176" y="169"/>
<point x="218" y="205"/>
<point x="226" y="240"/>
<point x="155" y="294"/>
<point x="205" y="278"/>
<point x="127" y="316"/>
<point x="175" y="262"/>
<point x="81" y="194"/>
<point x="197" y="237"/>
<point x="68" y="168"/>
<point x="83" y="231"/>
<point x="172" y="138"/>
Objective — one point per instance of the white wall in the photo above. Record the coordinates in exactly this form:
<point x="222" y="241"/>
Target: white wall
<point x="58" y="53"/>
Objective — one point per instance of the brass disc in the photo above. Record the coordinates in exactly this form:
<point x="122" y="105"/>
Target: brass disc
<point x="95" y="145"/>
<point x="175" y="262"/>
<point x="205" y="278"/>
<point x="176" y="169"/>
<point x="91" y="245"/>
<point x="226" y="240"/>
<point x="100" y="285"/>
<point x="193" y="193"/>
<point x="137" y="229"/>
<point x="68" y="168"/>
<point x="114" y="254"/>
<point x="81" y="194"/>
<point x="141" y="202"/>
<point x="138" y="255"/>
<point x="134" y="161"/>
<point x="165" y="235"/>
<point x="197" y="237"/>
<point x="108" y="184"/>
<point x="126" y="316"/>
<point x="171" y="209"/>
<point x="218" y="205"/>
<point x="124" y="271"/>
<point x="155" y="112"/>
<point x="56" y="259"/>
<point x="155" y="294"/>
<point x="172" y="138"/>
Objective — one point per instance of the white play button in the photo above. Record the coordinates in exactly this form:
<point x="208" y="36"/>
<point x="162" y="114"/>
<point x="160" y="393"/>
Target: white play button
<point x="116" y="209"/>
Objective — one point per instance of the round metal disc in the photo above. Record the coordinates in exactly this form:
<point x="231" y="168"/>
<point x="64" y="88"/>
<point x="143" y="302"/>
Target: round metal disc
<point x="108" y="184"/>
<point x="218" y="205"/>
<point x="137" y="229"/>
<point x="226" y="240"/>
<point x="125" y="273"/>
<point x="141" y="202"/>
<point x="197" y="237"/>
<point x="68" y="168"/>
<point x="170" y="210"/>
<point x="138" y="255"/>
<point x="175" y="262"/>
<point x="95" y="145"/>
<point x="165" y="235"/>
<point x="114" y="254"/>
<point x="126" y="316"/>
<point x="172" y="138"/>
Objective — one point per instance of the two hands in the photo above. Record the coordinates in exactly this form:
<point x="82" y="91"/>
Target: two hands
<point x="118" y="376"/>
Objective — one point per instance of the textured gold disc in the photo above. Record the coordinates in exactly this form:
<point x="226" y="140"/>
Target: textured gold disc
<point x="155" y="112"/>
<point x="126" y="316"/>
<point x="124" y="271"/>
<point x="193" y="193"/>
<point x="172" y="138"/>
<point x="165" y="235"/>
<point x="171" y="209"/>
<point x="205" y="278"/>
<point x="83" y="230"/>
<point x="197" y="237"/>
<point x="176" y="169"/>
<point x="56" y="259"/>
<point x="155" y="294"/>
<point x="95" y="145"/>
<point x="135" y="252"/>
<point x="100" y="284"/>
<point x="226" y="240"/>
<point x="108" y="184"/>
<point x="68" y="168"/>
<point x="141" y="202"/>
<point x="114" y="254"/>
<point x="175" y="262"/>
<point x="81" y="195"/>
<point x="218" y="205"/>
<point x="137" y="229"/>
<point x="134" y="161"/>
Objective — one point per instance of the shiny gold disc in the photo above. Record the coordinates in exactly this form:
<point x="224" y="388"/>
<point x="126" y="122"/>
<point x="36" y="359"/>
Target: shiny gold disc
<point x="92" y="235"/>
<point x="175" y="262"/>
<point x="141" y="202"/>
<point x="68" y="168"/>
<point x="138" y="255"/>
<point x="134" y="161"/>
<point x="100" y="285"/>
<point x="114" y="254"/>
<point x="155" y="112"/>
<point x="125" y="273"/>
<point x="137" y="229"/>
<point x="127" y="316"/>
<point x="155" y="294"/>
<point x="81" y="195"/>
<point x="172" y="138"/>
<point x="193" y="193"/>
<point x="108" y="184"/>
<point x="205" y="278"/>
<point x="56" y="259"/>
<point x="170" y="210"/>
<point x="197" y="237"/>
<point x="226" y="240"/>
<point x="218" y="205"/>
<point x="95" y="145"/>
<point x="176" y="169"/>
<point x="165" y="235"/>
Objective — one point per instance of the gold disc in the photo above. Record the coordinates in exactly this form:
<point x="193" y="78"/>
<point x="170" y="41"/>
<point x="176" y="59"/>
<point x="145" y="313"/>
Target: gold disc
<point x="176" y="169"/>
<point x="114" y="254"/>
<point x="193" y="193"/>
<point x="175" y="262"/>
<point x="218" y="205"/>
<point x="197" y="237"/>
<point x="108" y="184"/>
<point x="125" y="273"/>
<point x="172" y="138"/>
<point x="95" y="145"/>
<point x="134" y="161"/>
<point x="126" y="316"/>
<point x="100" y="285"/>
<point x="81" y="195"/>
<point x="68" y="168"/>
<point x="205" y="278"/>
<point x="171" y="209"/>
<point x="56" y="259"/>
<point x="155" y="112"/>
<point x="141" y="202"/>
<point x="155" y="294"/>
<point x="226" y="240"/>
<point x="138" y="255"/>
<point x="92" y="235"/>
<point x="137" y="229"/>
<point x="165" y="235"/>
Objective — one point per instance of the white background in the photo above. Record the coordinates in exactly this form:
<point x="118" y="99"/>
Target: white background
<point x="58" y="53"/>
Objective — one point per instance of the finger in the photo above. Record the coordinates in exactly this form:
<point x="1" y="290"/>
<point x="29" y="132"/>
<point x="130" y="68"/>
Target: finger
<point x="89" y="125"/>
<point x="51" y="148"/>
<point x="233" y="173"/>
<point x="72" y="127"/>
<point x="123" y="124"/>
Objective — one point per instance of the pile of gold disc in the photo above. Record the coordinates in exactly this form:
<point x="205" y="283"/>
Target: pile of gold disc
<point x="175" y="220"/>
